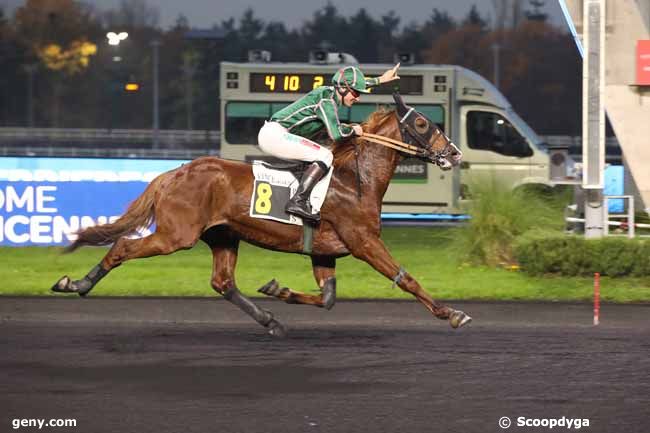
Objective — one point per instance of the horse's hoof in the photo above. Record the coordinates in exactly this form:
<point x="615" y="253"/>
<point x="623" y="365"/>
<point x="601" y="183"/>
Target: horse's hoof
<point x="62" y="286"/>
<point x="276" y="329"/>
<point x="458" y="319"/>
<point x="272" y="288"/>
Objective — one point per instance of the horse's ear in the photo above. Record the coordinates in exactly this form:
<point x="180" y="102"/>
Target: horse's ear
<point x="402" y="108"/>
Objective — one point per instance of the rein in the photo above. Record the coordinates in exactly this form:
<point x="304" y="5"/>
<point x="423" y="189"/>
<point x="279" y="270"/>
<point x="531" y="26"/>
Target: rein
<point x="393" y="144"/>
<point x="439" y="157"/>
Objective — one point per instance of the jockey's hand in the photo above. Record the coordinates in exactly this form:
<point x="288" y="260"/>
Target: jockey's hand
<point x="390" y="75"/>
<point x="358" y="130"/>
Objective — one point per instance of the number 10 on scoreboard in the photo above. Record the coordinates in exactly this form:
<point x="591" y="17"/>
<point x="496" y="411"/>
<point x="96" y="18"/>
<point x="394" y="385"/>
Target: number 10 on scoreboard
<point x="290" y="83"/>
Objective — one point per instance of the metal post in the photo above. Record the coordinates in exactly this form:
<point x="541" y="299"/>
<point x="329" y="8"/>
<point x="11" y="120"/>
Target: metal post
<point x="596" y="299"/>
<point x="593" y="115"/>
<point x="594" y="214"/>
<point x="156" y="125"/>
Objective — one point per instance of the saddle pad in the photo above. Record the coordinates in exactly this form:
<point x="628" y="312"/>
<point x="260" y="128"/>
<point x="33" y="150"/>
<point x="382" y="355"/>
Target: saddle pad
<point x="273" y="188"/>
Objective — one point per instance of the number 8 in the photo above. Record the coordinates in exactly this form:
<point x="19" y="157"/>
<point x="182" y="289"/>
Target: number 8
<point x="263" y="202"/>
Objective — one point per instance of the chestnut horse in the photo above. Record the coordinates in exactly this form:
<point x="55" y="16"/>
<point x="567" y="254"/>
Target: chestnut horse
<point x="209" y="199"/>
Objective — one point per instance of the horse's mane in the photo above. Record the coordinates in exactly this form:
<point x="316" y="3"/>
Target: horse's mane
<point x="344" y="150"/>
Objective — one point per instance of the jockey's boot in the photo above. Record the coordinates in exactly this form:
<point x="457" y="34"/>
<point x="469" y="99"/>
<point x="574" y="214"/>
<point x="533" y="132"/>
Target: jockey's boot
<point x="299" y="204"/>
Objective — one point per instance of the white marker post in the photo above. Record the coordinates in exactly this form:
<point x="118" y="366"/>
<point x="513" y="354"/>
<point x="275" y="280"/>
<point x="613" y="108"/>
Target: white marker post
<point x="596" y="299"/>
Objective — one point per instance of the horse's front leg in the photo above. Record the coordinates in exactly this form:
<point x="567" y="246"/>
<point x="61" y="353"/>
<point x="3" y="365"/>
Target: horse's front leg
<point x="324" y="273"/>
<point x="373" y="251"/>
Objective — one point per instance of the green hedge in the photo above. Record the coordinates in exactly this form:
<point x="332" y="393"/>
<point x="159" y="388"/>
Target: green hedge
<point x="540" y="254"/>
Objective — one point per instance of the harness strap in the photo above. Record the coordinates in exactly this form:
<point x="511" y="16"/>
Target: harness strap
<point x="408" y="113"/>
<point x="398" y="278"/>
<point x="358" y="175"/>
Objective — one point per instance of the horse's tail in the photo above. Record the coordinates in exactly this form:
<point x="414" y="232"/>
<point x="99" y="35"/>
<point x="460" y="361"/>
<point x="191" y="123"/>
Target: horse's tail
<point x="139" y="215"/>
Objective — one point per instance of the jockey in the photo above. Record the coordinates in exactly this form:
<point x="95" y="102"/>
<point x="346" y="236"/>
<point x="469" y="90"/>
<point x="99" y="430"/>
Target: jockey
<point x="287" y="135"/>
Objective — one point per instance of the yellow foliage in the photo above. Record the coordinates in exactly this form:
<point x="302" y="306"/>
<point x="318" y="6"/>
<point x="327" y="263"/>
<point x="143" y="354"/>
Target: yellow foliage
<point x="71" y="61"/>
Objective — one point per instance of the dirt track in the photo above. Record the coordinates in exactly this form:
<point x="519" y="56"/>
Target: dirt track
<point x="198" y="365"/>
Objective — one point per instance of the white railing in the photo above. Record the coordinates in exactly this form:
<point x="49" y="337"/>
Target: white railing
<point x="107" y="152"/>
<point x="83" y="134"/>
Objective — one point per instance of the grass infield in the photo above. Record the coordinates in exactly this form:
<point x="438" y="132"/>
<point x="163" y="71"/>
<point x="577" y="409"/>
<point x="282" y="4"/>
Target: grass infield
<point x="429" y="254"/>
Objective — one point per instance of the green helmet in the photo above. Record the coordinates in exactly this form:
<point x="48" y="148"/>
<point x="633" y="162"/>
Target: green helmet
<point x="350" y="76"/>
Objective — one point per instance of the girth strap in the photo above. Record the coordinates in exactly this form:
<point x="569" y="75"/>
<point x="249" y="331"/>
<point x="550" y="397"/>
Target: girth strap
<point x="307" y="238"/>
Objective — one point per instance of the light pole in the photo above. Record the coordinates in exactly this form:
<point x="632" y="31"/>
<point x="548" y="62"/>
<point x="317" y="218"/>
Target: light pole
<point x="189" y="69"/>
<point x="496" y="51"/>
<point x="156" y="125"/>
<point x="114" y="40"/>
<point x="30" y="69"/>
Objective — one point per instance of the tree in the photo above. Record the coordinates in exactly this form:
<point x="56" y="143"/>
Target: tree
<point x="540" y="73"/>
<point x="283" y="45"/>
<point x="440" y="22"/>
<point x="508" y="13"/>
<point x="326" y="25"/>
<point x="59" y="34"/>
<point x="362" y="27"/>
<point x="542" y="78"/>
<point x="475" y="19"/>
<point x="250" y="28"/>
<point x="132" y="14"/>
<point x="54" y="21"/>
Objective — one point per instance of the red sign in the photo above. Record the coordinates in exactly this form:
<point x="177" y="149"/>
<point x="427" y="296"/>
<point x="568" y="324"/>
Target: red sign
<point x="643" y="62"/>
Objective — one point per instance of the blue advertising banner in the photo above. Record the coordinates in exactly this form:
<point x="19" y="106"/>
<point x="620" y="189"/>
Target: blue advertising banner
<point x="43" y="201"/>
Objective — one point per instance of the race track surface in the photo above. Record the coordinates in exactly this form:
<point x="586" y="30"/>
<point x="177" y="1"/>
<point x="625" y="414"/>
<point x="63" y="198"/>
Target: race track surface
<point x="200" y="365"/>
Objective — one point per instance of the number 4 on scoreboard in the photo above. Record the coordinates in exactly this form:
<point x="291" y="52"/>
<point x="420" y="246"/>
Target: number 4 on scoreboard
<point x="269" y="80"/>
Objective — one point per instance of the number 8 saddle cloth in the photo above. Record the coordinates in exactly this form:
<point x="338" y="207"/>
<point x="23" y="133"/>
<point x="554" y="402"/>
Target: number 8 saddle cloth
<point x="275" y="184"/>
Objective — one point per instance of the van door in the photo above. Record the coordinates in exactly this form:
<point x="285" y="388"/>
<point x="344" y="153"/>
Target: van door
<point x="492" y="145"/>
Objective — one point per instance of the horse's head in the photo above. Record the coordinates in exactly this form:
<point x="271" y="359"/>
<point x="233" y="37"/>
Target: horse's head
<point x="433" y="145"/>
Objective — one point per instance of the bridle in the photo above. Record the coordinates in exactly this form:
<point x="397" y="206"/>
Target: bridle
<point x="417" y="143"/>
<point x="432" y="135"/>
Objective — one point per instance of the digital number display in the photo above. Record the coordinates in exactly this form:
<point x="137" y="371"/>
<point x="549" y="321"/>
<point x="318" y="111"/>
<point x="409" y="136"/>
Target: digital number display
<point x="285" y="83"/>
<point x="303" y="83"/>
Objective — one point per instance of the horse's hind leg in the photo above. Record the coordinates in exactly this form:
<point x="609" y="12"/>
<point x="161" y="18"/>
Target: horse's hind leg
<point x="121" y="251"/>
<point x="324" y="273"/>
<point x="223" y="281"/>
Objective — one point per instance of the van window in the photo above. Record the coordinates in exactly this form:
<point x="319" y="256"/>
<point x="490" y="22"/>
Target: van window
<point x="244" y="120"/>
<point x="493" y="132"/>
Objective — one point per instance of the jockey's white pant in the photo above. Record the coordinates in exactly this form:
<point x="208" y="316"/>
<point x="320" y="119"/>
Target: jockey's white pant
<point x="275" y="140"/>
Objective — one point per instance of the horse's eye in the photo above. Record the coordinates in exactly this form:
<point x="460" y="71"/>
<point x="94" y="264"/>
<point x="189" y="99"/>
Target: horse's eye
<point x="421" y="125"/>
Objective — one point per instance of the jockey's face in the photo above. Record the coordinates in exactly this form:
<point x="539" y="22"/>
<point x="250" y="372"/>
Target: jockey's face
<point x="350" y="97"/>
